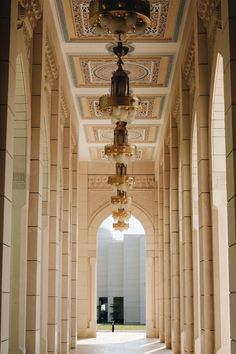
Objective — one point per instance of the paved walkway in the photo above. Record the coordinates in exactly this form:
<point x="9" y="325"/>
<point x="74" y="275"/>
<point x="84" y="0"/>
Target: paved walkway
<point x="120" y="343"/>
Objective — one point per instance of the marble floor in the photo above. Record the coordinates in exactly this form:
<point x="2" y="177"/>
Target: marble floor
<point x="120" y="343"/>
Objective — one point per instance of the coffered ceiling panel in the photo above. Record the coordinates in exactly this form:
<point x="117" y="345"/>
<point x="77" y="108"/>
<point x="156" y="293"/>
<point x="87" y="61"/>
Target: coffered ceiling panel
<point x="94" y="71"/>
<point x="137" y="134"/>
<point x="166" y="16"/>
<point x="151" y="107"/>
<point x="150" y="63"/>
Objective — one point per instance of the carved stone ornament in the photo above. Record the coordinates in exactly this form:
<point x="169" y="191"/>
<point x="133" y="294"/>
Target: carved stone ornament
<point x="176" y="107"/>
<point x="65" y="113"/>
<point x="189" y="66"/>
<point x="50" y="63"/>
<point x="209" y="11"/>
<point x="29" y="9"/>
<point x="29" y="12"/>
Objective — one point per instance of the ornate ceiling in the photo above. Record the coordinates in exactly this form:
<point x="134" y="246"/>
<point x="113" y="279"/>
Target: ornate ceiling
<point x="90" y="63"/>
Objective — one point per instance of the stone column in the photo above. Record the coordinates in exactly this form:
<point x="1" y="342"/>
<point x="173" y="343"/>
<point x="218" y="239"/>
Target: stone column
<point x="204" y="198"/>
<point x="150" y="294"/>
<point x="156" y="263"/>
<point x="66" y="240"/>
<point x="186" y="220"/>
<point x="174" y="234"/>
<point x="7" y="71"/>
<point x="35" y="202"/>
<point x="228" y="25"/>
<point x="161" y="256"/>
<point x="74" y="263"/>
<point x="54" y="227"/>
<point x="93" y="294"/>
<point x="83" y="258"/>
<point x="167" y="260"/>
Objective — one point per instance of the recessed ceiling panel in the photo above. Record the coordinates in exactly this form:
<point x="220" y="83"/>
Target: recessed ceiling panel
<point x="151" y="107"/>
<point x="137" y="134"/>
<point x="165" y="19"/>
<point x="94" y="71"/>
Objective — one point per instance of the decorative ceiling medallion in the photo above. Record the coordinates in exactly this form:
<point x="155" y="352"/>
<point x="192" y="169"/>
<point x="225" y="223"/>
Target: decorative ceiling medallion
<point x="137" y="134"/>
<point x="143" y="154"/>
<point x="165" y="20"/>
<point x="96" y="71"/>
<point x="136" y="71"/>
<point x="151" y="107"/>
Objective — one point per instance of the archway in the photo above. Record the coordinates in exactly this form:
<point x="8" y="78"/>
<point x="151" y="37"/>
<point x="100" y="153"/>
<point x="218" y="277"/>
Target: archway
<point x="121" y="274"/>
<point x="147" y="223"/>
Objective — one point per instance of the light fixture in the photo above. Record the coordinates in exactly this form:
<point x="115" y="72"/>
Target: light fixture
<point x="120" y="105"/>
<point x="120" y="151"/>
<point x="119" y="17"/>
<point x="120" y="226"/>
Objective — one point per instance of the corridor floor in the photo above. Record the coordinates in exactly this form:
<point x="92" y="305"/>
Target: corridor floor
<point x="120" y="343"/>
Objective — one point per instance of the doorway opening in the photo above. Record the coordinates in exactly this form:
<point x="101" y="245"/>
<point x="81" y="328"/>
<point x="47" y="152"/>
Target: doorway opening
<point x="121" y="276"/>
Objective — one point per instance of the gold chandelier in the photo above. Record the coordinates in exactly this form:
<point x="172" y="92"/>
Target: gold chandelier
<point x="119" y="18"/>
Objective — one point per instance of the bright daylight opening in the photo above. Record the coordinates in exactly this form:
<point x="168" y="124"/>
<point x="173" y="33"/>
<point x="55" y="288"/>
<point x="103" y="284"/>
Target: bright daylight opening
<point x="121" y="277"/>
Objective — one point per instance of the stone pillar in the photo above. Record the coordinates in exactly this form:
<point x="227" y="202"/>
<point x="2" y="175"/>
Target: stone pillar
<point x="156" y="264"/>
<point x="7" y="72"/>
<point x="161" y="256"/>
<point x="204" y="197"/>
<point x="35" y="202"/>
<point x="150" y="323"/>
<point x="167" y="260"/>
<point x="174" y="234"/>
<point x="74" y="263"/>
<point x="83" y="259"/>
<point x="54" y="232"/>
<point x="186" y="220"/>
<point x="229" y="60"/>
<point x="93" y="294"/>
<point x="66" y="240"/>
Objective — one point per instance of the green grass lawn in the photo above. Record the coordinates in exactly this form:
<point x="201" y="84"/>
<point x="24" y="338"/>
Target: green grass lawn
<point x="120" y="327"/>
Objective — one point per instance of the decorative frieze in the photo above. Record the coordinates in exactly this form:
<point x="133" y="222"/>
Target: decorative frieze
<point x="101" y="182"/>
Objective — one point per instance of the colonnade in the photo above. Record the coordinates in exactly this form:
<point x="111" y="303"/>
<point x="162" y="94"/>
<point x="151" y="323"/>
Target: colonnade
<point x="48" y="215"/>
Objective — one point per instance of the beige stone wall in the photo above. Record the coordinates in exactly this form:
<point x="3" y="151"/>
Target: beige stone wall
<point x="94" y="208"/>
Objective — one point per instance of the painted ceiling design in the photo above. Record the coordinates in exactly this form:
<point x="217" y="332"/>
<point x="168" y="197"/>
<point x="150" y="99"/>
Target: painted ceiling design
<point x="143" y="71"/>
<point x="150" y="64"/>
<point x="137" y="134"/>
<point x="151" y="107"/>
<point x="165" y="18"/>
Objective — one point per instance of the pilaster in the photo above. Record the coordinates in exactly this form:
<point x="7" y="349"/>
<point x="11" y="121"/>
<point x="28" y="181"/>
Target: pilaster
<point x="174" y="235"/>
<point x="167" y="258"/>
<point x="161" y="256"/>
<point x="35" y="200"/>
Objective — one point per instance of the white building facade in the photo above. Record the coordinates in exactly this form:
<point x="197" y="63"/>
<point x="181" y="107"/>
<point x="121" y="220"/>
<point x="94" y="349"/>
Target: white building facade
<point x="121" y="274"/>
